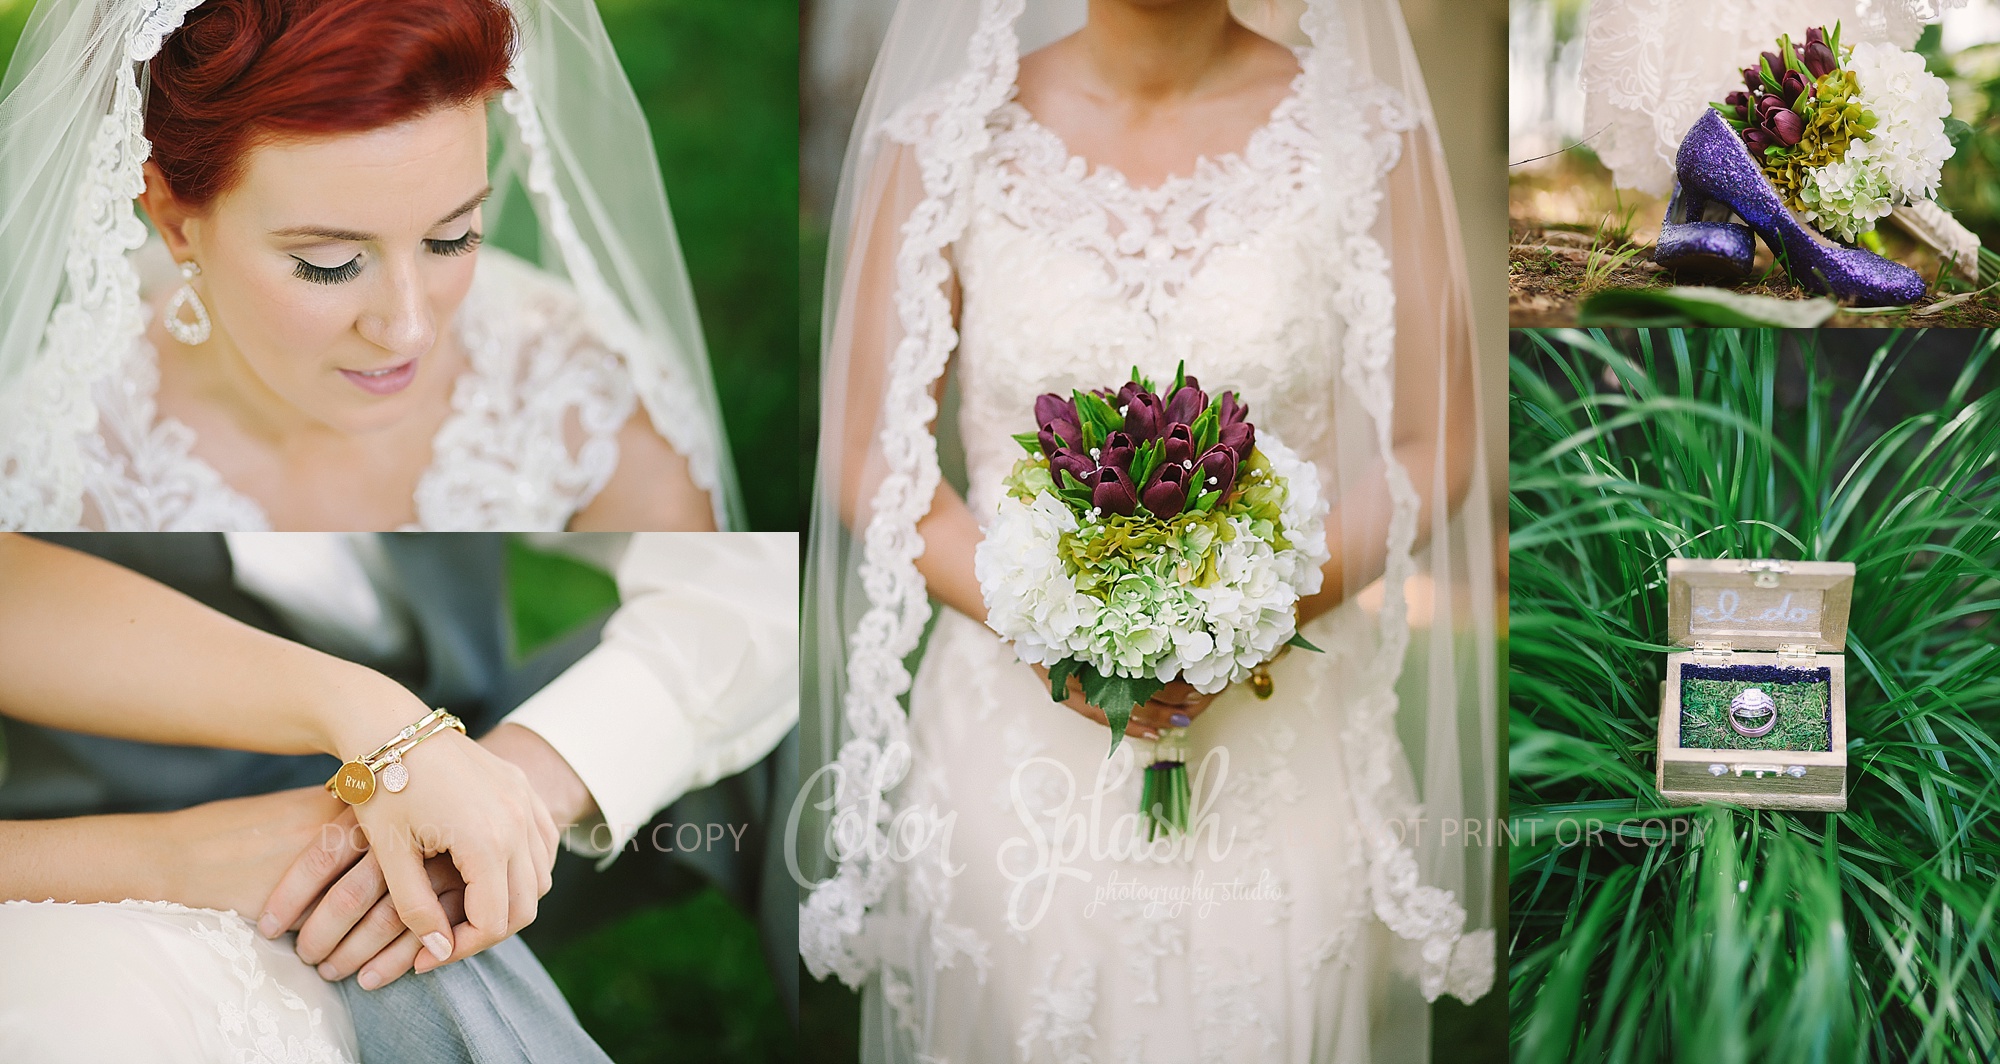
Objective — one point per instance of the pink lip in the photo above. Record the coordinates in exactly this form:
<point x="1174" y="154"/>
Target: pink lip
<point x="394" y="380"/>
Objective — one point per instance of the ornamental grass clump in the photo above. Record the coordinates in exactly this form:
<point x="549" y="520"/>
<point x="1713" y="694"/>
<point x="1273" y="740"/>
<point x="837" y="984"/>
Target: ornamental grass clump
<point x="1717" y="934"/>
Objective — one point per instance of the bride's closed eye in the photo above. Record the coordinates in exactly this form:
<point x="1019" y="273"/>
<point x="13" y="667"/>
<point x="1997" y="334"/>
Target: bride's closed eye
<point x="460" y="246"/>
<point x="346" y="271"/>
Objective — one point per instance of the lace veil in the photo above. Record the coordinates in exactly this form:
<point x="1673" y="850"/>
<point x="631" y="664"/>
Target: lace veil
<point x="1651" y="66"/>
<point x="1412" y="520"/>
<point x="569" y="137"/>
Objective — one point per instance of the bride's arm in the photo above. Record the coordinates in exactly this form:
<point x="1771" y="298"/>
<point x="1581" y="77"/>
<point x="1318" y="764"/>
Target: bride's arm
<point x="651" y="491"/>
<point x="89" y="646"/>
<point x="868" y="330"/>
<point x="1434" y="434"/>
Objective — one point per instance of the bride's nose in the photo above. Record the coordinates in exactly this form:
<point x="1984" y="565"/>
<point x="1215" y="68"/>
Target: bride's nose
<point x="398" y="319"/>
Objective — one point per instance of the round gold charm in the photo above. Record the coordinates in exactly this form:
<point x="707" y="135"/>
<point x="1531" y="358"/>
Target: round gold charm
<point x="1260" y="682"/>
<point x="354" y="783"/>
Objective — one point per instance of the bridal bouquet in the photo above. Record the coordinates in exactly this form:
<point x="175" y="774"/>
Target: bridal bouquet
<point x="1146" y="537"/>
<point x="1844" y="134"/>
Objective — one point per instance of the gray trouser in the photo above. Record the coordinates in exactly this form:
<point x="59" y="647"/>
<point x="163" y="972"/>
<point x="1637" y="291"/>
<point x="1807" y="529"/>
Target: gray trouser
<point x="498" y="1007"/>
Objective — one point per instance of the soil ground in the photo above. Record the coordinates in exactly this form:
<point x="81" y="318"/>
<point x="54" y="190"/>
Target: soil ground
<point x="1571" y="234"/>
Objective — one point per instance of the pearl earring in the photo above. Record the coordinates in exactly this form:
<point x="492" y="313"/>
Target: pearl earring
<point x="193" y="332"/>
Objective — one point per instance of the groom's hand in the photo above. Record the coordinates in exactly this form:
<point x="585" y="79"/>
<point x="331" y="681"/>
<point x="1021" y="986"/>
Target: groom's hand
<point x="350" y="926"/>
<point x="461" y="801"/>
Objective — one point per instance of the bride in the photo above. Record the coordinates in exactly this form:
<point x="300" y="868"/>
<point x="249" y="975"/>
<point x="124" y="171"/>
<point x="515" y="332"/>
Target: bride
<point x="314" y="337"/>
<point x="1258" y="194"/>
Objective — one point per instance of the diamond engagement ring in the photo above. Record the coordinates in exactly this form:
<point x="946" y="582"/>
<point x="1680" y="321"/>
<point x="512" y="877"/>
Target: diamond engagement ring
<point x="1753" y="713"/>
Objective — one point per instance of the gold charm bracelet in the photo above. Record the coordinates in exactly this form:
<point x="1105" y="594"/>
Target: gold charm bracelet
<point x="355" y="782"/>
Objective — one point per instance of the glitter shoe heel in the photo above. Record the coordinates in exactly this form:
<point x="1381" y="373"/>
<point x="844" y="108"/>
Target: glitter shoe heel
<point x="1691" y="245"/>
<point x="1715" y="164"/>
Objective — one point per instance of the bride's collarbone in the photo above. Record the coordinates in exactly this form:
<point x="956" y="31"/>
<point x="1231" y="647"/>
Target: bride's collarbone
<point x="1150" y="142"/>
<point x="303" y="475"/>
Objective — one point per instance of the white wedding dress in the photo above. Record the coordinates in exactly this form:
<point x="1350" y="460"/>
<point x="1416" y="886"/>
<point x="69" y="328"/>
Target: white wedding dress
<point x="1260" y="946"/>
<point x="162" y="983"/>
<point x="530" y="440"/>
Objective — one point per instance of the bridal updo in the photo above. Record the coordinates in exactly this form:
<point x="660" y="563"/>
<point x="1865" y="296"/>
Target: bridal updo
<point x="243" y="72"/>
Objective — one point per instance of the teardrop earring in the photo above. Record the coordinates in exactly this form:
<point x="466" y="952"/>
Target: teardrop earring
<point x="193" y="332"/>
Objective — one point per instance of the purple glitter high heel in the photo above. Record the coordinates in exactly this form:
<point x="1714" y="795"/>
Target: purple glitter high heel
<point x="1691" y="244"/>
<point x="1715" y="164"/>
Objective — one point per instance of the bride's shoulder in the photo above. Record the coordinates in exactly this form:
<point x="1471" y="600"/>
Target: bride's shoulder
<point x="526" y="321"/>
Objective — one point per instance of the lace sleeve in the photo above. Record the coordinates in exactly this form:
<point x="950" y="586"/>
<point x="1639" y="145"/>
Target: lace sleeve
<point x="532" y="436"/>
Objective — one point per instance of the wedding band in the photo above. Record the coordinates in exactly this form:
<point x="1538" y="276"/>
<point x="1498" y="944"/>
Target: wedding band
<point x="1750" y="707"/>
<point x="354" y="782"/>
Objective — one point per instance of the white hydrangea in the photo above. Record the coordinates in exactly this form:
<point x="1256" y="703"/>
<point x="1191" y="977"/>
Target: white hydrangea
<point x="1902" y="162"/>
<point x="1846" y="198"/>
<point x="1151" y="624"/>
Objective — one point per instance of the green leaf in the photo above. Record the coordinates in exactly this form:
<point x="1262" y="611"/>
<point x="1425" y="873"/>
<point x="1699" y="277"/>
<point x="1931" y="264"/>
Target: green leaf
<point x="1957" y="131"/>
<point x="1207" y="428"/>
<point x="1059" y="675"/>
<point x="1698" y="305"/>
<point x="1030" y="442"/>
<point x="1145" y="460"/>
<point x="1299" y="640"/>
<point x="1117" y="696"/>
<point x="1180" y="378"/>
<point x="1204" y="501"/>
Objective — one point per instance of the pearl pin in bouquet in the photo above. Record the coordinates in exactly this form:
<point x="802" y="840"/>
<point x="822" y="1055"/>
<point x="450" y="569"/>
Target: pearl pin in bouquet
<point x="1148" y="536"/>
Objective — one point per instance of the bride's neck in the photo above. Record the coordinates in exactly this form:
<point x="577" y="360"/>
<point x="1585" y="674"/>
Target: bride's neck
<point x="220" y="374"/>
<point x="1157" y="51"/>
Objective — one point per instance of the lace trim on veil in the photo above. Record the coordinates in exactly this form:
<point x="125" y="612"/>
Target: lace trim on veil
<point x="46" y="413"/>
<point x="670" y="402"/>
<point x="1450" y="960"/>
<point x="947" y="131"/>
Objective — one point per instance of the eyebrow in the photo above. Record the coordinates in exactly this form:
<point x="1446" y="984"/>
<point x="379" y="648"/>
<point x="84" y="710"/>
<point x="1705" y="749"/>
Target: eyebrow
<point x="363" y="238"/>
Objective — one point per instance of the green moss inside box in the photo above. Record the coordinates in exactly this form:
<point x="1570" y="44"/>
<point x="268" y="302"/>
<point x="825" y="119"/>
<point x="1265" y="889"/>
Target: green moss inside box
<point x="1805" y="716"/>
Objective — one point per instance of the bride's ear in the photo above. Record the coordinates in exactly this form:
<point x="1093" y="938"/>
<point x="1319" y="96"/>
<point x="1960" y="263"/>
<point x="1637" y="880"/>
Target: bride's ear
<point x="170" y="219"/>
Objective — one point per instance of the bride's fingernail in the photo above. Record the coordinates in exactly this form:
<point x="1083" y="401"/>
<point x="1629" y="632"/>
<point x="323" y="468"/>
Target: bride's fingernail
<point x="369" y="980"/>
<point x="326" y="971"/>
<point x="268" y="926"/>
<point x="439" y="945"/>
<point x="1181" y="720"/>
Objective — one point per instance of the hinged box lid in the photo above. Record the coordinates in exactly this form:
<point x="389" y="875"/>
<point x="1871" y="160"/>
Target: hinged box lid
<point x="1795" y="608"/>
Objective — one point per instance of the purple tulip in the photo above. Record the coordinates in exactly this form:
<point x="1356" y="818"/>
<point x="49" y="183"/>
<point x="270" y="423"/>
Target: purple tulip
<point x="1057" y="423"/>
<point x="1775" y="62"/>
<point x="1187" y="404"/>
<point x="1167" y="492"/>
<point x="1075" y="463"/>
<point x="1111" y="491"/>
<point x="1117" y="451"/>
<point x="1753" y="79"/>
<point x="1740" y="101"/>
<point x="1229" y="411"/>
<point x="1179" y="445"/>
<point x="1817" y="55"/>
<point x="1217" y="468"/>
<point x="1792" y="86"/>
<point x="1776" y="121"/>
<point x="1240" y="438"/>
<point x="1144" y="415"/>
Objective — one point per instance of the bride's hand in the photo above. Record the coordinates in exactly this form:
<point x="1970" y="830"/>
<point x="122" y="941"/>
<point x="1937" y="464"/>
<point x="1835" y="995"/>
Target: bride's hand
<point x="462" y="801"/>
<point x="228" y="854"/>
<point x="1173" y="706"/>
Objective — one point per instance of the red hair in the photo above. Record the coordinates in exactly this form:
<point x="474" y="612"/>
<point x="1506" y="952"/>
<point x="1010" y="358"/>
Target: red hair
<point x="243" y="72"/>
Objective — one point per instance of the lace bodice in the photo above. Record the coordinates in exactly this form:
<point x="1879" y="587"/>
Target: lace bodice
<point x="530" y="440"/>
<point x="1071" y="277"/>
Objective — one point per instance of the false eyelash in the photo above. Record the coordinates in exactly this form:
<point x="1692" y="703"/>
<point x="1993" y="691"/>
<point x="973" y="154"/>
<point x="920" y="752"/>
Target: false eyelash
<point x="463" y="244"/>
<point x="306" y="271"/>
